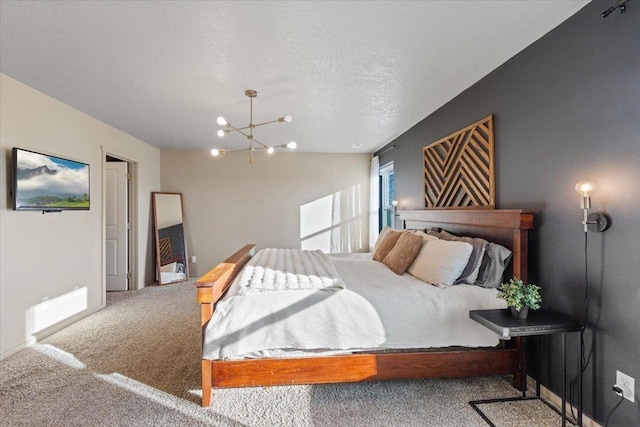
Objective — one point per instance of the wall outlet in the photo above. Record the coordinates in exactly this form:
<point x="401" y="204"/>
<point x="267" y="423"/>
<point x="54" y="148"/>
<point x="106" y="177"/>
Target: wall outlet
<point x="193" y="259"/>
<point x="628" y="385"/>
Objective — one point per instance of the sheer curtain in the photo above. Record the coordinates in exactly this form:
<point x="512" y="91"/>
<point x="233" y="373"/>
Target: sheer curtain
<point x="374" y="201"/>
<point x="348" y="221"/>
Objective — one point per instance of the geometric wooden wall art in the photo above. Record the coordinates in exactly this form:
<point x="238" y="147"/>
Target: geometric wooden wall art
<point x="165" y="249"/>
<point x="458" y="169"/>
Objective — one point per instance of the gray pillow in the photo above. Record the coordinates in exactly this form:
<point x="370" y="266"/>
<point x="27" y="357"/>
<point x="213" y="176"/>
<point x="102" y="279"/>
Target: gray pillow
<point x="470" y="273"/>
<point x="495" y="261"/>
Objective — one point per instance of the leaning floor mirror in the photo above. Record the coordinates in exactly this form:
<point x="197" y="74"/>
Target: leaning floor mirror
<point x="170" y="244"/>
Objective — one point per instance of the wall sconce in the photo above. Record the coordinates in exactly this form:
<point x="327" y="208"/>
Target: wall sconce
<point x="596" y="221"/>
<point x="395" y="207"/>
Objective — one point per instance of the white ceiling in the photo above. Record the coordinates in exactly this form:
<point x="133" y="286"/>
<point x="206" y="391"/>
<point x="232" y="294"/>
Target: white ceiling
<point x="358" y="72"/>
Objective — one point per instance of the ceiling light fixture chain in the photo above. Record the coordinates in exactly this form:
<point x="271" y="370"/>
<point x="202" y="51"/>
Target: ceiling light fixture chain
<point x="250" y="93"/>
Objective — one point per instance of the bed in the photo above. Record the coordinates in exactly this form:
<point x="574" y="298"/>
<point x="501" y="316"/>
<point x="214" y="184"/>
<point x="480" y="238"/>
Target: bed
<point x="505" y="227"/>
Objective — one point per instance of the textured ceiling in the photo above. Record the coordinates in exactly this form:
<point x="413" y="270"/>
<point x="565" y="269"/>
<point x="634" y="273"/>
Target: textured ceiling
<point x="358" y="72"/>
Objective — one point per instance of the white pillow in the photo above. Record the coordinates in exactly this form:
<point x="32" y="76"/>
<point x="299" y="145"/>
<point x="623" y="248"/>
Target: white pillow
<point x="440" y="262"/>
<point x="426" y="237"/>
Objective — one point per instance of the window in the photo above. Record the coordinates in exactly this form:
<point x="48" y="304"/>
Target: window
<point x="387" y="195"/>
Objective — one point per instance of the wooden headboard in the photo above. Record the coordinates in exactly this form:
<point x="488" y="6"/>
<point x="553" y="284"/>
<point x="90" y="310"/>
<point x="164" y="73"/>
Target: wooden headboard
<point x="507" y="227"/>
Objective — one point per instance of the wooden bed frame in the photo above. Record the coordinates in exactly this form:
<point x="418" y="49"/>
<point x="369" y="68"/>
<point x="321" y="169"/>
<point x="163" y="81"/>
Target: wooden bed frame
<point x="508" y="227"/>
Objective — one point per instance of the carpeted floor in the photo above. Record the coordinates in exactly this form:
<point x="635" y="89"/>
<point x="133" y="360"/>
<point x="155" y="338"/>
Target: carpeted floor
<point x="137" y="363"/>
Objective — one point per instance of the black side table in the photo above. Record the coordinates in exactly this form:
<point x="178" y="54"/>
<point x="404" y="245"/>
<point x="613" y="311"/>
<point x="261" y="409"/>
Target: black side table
<point x="539" y="322"/>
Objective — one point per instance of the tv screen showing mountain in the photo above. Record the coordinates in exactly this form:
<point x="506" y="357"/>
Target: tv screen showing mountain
<point x="43" y="182"/>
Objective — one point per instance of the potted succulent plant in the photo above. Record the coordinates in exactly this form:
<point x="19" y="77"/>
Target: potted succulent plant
<point x="520" y="297"/>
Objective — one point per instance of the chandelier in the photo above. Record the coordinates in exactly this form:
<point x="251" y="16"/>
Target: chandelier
<point x="247" y="131"/>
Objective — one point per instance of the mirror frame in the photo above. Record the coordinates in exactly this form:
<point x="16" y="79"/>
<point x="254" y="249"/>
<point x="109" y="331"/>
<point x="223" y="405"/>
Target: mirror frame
<point x="154" y="195"/>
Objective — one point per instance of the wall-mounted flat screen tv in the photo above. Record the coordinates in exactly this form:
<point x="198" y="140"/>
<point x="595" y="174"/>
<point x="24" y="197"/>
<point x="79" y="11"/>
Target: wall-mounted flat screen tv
<point x="49" y="183"/>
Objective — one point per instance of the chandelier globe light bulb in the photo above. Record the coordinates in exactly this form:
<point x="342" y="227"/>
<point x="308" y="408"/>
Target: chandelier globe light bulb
<point x="292" y="145"/>
<point x="221" y="121"/>
<point x="270" y="150"/>
<point x="215" y="152"/>
<point x="220" y="133"/>
<point x="288" y="118"/>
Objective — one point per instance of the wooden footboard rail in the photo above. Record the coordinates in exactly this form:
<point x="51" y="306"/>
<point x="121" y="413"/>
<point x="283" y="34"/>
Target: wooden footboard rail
<point x="363" y="367"/>
<point x="211" y="287"/>
<point x="215" y="283"/>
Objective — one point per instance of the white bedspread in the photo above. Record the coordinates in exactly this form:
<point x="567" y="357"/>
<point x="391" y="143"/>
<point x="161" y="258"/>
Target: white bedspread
<point x="275" y="269"/>
<point x="415" y="314"/>
<point x="379" y="310"/>
<point x="270" y="322"/>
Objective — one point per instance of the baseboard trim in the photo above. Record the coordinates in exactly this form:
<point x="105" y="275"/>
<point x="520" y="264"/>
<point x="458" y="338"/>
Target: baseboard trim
<point x="556" y="401"/>
<point x="17" y="348"/>
<point x="50" y="331"/>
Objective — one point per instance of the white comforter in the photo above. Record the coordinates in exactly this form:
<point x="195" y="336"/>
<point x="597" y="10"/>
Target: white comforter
<point x="378" y="310"/>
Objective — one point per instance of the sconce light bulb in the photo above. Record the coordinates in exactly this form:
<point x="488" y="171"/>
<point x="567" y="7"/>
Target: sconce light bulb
<point x="292" y="145"/>
<point x="288" y="118"/>
<point x="270" y="150"/>
<point x="394" y="203"/>
<point x="220" y="133"/>
<point x="221" y="121"/>
<point x="585" y="188"/>
<point x="215" y="152"/>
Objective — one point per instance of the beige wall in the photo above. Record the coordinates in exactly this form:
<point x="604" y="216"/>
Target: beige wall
<point x="229" y="202"/>
<point x="59" y="256"/>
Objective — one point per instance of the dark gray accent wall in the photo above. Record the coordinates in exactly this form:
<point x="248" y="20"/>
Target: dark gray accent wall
<point x="566" y="108"/>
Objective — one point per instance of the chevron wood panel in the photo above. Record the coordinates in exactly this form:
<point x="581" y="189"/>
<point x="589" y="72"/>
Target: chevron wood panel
<point x="165" y="249"/>
<point x="458" y="169"/>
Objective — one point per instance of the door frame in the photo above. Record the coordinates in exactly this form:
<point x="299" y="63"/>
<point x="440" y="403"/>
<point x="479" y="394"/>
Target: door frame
<point x="132" y="234"/>
<point x="383" y="188"/>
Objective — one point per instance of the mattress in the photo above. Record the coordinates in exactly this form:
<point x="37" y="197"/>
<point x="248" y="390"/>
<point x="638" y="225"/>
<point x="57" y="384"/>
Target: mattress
<point x="378" y="311"/>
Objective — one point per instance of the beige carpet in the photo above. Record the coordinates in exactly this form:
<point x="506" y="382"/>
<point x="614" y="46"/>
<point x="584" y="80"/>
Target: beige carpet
<point x="136" y="363"/>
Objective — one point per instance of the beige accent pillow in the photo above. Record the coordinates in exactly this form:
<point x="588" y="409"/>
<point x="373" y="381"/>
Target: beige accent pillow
<point x="404" y="252"/>
<point x="440" y="262"/>
<point x="388" y="242"/>
<point x="381" y="237"/>
<point x="383" y="233"/>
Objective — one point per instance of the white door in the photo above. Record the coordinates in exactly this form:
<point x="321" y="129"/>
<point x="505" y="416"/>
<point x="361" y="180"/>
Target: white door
<point x="116" y="226"/>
